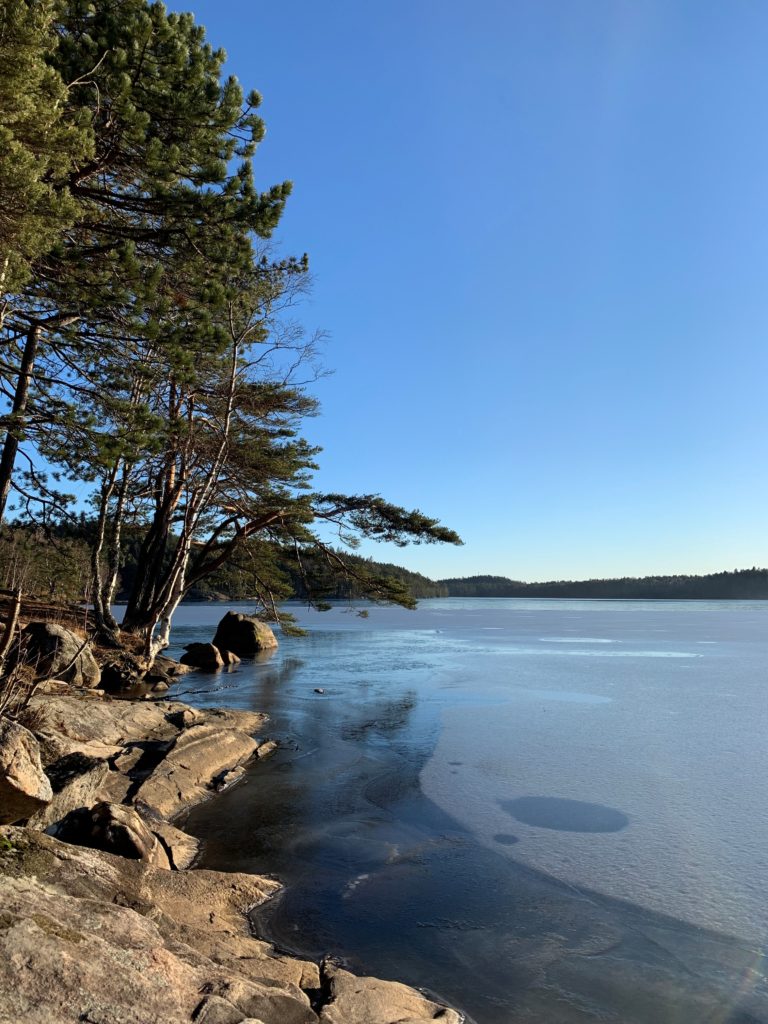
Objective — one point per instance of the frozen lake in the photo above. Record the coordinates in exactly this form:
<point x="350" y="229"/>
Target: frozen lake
<point x="542" y="810"/>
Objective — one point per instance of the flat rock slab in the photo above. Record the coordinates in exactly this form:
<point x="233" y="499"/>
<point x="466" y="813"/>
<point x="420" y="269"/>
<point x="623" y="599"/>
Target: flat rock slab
<point x="246" y="721"/>
<point x="114" y="723"/>
<point x="106" y="750"/>
<point x="110" y="722"/>
<point x="355" y="1000"/>
<point x="197" y="757"/>
<point x="54" y="746"/>
<point x="89" y="936"/>
<point x="201" y="915"/>
<point x="66" y="960"/>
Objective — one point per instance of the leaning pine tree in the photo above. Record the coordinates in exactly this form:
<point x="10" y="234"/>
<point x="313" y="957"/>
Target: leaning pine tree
<point x="150" y="349"/>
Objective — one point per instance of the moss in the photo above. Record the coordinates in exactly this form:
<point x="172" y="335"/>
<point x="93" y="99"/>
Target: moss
<point x="23" y="860"/>
<point x="45" y="924"/>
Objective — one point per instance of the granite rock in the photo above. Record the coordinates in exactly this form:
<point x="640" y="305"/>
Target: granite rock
<point x="24" y="787"/>
<point x="57" y="653"/>
<point x="244" y="635"/>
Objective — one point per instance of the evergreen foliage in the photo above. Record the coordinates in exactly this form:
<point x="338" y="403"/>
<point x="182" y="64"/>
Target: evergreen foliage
<point x="41" y="139"/>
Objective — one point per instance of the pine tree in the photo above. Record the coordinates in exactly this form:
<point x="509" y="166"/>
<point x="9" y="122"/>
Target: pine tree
<point x="41" y="139"/>
<point x="155" y="187"/>
<point x="147" y="351"/>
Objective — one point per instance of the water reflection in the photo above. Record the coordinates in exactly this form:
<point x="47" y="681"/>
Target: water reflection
<point x="380" y="719"/>
<point x="264" y="670"/>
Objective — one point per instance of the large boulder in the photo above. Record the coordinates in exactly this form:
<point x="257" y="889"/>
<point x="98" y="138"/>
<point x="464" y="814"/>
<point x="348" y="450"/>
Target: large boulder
<point x="164" y="672"/>
<point x="205" y="656"/>
<point x="57" y="653"/>
<point x="24" y="786"/>
<point x="244" y="635"/>
<point x="168" y="667"/>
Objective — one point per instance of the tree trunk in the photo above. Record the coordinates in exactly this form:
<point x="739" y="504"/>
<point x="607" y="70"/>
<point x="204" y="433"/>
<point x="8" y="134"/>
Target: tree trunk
<point x="97" y="582"/>
<point x="109" y="588"/>
<point x="169" y="600"/>
<point x="150" y="570"/>
<point x="157" y="642"/>
<point x="105" y="623"/>
<point x="152" y="563"/>
<point x="18" y="410"/>
<point x="9" y="629"/>
<point x="161" y="586"/>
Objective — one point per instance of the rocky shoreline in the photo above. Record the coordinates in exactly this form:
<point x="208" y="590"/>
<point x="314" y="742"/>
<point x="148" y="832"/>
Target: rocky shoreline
<point x="104" y="918"/>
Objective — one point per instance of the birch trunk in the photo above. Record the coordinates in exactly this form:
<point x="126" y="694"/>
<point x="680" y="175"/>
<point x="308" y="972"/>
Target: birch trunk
<point x="18" y="410"/>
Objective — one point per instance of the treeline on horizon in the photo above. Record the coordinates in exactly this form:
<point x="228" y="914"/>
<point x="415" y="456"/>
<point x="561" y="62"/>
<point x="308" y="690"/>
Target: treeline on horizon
<point x="740" y="584"/>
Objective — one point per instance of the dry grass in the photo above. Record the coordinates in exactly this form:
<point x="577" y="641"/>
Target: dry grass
<point x="32" y="718"/>
<point x="17" y="687"/>
<point x="72" y="616"/>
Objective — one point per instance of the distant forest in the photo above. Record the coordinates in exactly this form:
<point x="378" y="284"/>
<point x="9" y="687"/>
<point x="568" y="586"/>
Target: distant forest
<point x="741" y="584"/>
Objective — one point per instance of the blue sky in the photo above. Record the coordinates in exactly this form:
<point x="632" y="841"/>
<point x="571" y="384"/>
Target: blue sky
<point x="539" y="239"/>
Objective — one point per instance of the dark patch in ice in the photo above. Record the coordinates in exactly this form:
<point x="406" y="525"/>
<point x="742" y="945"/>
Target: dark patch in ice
<point x="506" y="839"/>
<point x="565" y="815"/>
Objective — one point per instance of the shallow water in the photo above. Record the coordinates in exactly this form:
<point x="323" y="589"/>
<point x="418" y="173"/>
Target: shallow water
<point x="544" y="811"/>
